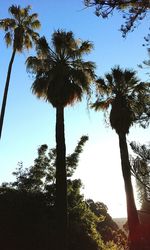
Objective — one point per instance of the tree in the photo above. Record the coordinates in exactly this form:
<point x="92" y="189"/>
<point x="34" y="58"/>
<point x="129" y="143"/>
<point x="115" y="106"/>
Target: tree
<point x="146" y="63"/>
<point x="19" y="32"/>
<point x="140" y="167"/>
<point x="61" y="78"/>
<point x="42" y="174"/>
<point x="35" y="178"/>
<point x="27" y="208"/>
<point x="133" y="11"/>
<point x="122" y="90"/>
<point x="107" y="228"/>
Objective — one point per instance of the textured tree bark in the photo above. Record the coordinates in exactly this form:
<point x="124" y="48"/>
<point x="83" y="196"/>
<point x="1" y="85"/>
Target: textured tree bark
<point x="61" y="182"/>
<point x="6" y="92"/>
<point x="133" y="219"/>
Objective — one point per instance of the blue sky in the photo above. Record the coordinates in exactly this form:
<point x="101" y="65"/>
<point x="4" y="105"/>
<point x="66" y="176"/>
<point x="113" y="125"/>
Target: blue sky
<point x="30" y="122"/>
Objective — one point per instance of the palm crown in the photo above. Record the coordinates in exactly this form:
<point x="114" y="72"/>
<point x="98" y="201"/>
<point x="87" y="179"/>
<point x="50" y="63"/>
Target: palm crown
<point x="127" y="96"/>
<point x="61" y="76"/>
<point x="19" y="29"/>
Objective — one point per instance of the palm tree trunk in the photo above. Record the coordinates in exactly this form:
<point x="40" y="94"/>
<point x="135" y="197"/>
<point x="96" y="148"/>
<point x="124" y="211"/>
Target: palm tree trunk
<point x="133" y="220"/>
<point x="6" y="91"/>
<point x="61" y="182"/>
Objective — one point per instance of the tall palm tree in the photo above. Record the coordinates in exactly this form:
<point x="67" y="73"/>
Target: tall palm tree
<point x="61" y="78"/>
<point x="126" y="95"/>
<point x="19" y="32"/>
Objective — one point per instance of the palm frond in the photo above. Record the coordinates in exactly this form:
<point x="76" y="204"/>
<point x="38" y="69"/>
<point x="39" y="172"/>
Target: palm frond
<point x="33" y="36"/>
<point x="15" y="11"/>
<point x="80" y="78"/>
<point x="33" y="17"/>
<point x="117" y="74"/>
<point x="130" y="74"/>
<point x="35" y="24"/>
<point x="86" y="47"/>
<point x="83" y="75"/>
<point x="27" y="10"/>
<point x="102" y="87"/>
<point x="33" y="64"/>
<point x="142" y="87"/>
<point x="39" y="87"/>
<point x="64" y="44"/>
<point x="85" y="66"/>
<point x="101" y="105"/>
<point x="42" y="48"/>
<point x="7" y="23"/>
<point x="72" y="94"/>
<point x="109" y="79"/>
<point x="8" y="38"/>
<point x="27" y="41"/>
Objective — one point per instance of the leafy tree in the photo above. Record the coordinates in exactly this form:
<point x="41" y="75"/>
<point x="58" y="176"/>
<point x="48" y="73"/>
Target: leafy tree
<point x="133" y="11"/>
<point x="61" y="78"/>
<point x="19" y="32"/>
<point x="29" y="210"/>
<point x="127" y="97"/>
<point x="82" y="220"/>
<point x="140" y="167"/>
<point x="42" y="173"/>
<point x="36" y="177"/>
<point x="107" y="228"/>
<point x="25" y="219"/>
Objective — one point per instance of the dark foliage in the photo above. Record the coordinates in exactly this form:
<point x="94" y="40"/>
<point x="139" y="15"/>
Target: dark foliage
<point x="107" y="228"/>
<point x="27" y="212"/>
<point x="134" y="11"/>
<point x="140" y="167"/>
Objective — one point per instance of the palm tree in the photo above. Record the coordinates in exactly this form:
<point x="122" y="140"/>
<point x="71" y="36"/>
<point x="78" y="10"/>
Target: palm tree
<point x="61" y="78"/>
<point x="126" y="95"/>
<point x="19" y="32"/>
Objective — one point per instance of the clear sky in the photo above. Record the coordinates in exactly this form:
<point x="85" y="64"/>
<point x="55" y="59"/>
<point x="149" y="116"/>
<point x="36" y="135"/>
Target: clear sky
<point x="30" y="122"/>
